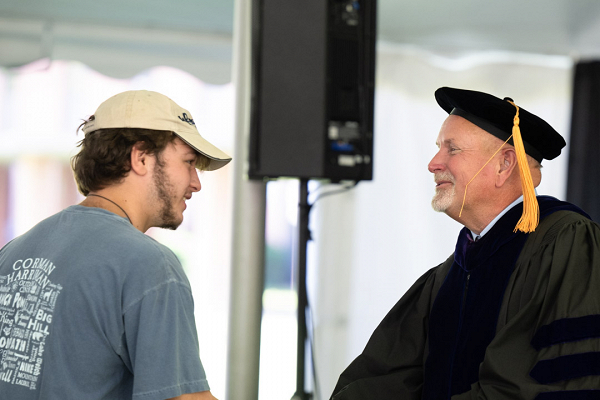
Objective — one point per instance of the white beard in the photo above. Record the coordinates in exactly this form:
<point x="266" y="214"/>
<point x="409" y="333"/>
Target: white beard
<point x="443" y="197"/>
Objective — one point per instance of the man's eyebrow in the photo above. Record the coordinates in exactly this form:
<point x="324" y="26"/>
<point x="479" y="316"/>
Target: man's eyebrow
<point x="188" y="152"/>
<point x="445" y="142"/>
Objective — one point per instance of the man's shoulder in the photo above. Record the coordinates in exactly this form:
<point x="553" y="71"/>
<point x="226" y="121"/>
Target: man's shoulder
<point x="549" y="205"/>
<point x="114" y="231"/>
<point x="563" y="229"/>
<point x="91" y="235"/>
<point x="551" y="225"/>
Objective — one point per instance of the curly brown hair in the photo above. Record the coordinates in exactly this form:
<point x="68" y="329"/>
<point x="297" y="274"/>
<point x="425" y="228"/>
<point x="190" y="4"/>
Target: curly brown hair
<point x="105" y="155"/>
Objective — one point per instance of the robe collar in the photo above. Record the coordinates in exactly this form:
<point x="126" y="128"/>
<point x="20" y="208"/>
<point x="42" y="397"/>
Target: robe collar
<point x="491" y="224"/>
<point x="469" y="253"/>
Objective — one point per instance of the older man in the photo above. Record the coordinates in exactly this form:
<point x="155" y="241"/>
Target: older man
<point x="514" y="313"/>
<point x="90" y="307"/>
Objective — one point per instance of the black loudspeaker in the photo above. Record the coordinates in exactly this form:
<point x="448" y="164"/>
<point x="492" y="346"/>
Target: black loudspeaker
<point x="313" y="75"/>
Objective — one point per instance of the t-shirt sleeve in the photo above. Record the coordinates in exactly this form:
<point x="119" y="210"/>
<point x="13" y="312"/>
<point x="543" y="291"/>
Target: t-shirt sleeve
<point x="162" y="343"/>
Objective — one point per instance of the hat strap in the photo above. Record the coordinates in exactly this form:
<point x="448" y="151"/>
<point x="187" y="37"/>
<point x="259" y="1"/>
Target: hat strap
<point x="531" y="210"/>
<point x="477" y="173"/>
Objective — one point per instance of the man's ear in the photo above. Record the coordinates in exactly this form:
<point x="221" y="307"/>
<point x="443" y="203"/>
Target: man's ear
<point x="507" y="164"/>
<point x="139" y="159"/>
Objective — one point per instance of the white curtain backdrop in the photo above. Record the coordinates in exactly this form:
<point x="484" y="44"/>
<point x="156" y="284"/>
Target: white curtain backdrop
<point x="373" y="242"/>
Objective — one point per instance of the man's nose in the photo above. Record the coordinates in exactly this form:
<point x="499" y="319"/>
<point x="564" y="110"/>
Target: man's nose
<point x="435" y="164"/>
<point x="195" y="182"/>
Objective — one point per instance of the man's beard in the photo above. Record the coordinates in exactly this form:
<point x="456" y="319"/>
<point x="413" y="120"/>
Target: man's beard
<point x="162" y="185"/>
<point x="443" y="197"/>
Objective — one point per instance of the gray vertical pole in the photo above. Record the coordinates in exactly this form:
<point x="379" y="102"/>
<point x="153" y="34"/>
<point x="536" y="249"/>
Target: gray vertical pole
<point x="248" y="242"/>
<point x="303" y="238"/>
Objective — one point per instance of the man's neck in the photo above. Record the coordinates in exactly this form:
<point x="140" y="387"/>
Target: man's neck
<point x="489" y="226"/>
<point x="115" y="202"/>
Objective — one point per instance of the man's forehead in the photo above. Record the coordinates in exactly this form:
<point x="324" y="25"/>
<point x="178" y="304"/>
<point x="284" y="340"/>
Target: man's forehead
<point x="183" y="147"/>
<point x="456" y="128"/>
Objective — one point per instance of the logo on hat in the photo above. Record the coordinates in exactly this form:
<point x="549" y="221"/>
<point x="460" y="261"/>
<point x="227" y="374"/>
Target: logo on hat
<point x="186" y="119"/>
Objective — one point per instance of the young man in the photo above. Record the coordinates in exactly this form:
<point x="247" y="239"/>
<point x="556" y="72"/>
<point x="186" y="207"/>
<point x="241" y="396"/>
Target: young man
<point x="514" y="312"/>
<point x="90" y="306"/>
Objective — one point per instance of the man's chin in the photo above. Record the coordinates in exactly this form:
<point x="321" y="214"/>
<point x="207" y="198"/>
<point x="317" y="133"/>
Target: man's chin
<point x="171" y="222"/>
<point x="440" y="203"/>
<point x="170" y="227"/>
<point x="443" y="199"/>
<point x="438" y="208"/>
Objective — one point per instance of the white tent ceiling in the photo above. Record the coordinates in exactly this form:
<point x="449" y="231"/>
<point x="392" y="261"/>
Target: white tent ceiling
<point x="121" y="37"/>
<point x="553" y="27"/>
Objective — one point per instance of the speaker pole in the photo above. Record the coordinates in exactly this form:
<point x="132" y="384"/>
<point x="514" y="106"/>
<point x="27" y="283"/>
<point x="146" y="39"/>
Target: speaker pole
<point x="303" y="238"/>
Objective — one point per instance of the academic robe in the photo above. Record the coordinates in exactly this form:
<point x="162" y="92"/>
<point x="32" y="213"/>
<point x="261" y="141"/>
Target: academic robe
<point x="510" y="316"/>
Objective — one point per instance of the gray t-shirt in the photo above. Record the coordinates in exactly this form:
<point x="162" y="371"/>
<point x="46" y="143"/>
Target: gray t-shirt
<point x="91" y="308"/>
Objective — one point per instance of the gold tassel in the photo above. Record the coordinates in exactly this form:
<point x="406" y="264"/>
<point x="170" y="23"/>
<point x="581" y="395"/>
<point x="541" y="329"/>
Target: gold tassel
<point x="531" y="210"/>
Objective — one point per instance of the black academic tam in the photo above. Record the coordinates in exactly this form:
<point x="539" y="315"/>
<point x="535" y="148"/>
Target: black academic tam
<point x="496" y="116"/>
